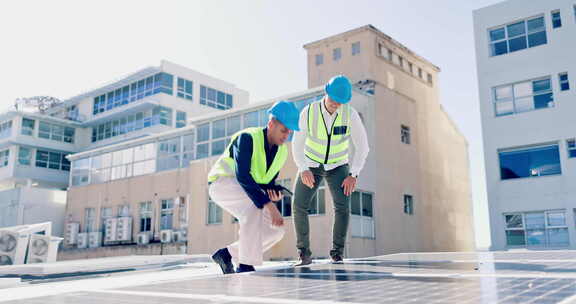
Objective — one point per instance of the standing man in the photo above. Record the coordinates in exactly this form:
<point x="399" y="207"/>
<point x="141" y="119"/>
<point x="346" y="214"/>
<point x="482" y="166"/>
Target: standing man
<point x="321" y="151"/>
<point x="242" y="182"/>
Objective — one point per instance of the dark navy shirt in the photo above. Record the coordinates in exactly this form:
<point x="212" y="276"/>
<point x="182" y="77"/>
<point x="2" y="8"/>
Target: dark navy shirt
<point x="241" y="152"/>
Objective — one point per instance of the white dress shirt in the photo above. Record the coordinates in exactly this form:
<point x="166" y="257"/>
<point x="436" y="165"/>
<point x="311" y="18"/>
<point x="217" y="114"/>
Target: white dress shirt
<point x="357" y="135"/>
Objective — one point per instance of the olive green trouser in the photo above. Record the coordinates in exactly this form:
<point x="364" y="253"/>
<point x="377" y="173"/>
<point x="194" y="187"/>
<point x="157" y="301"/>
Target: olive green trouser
<point x="303" y="197"/>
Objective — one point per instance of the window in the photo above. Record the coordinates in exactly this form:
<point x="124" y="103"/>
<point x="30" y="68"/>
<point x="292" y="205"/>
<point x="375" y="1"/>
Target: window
<point x="124" y="210"/>
<point x="52" y="160"/>
<point x="556" y="19"/>
<point x="214" y="213"/>
<point x="180" y="119"/>
<point x="167" y="214"/>
<point x="6" y="129"/>
<point x="523" y="97"/>
<point x="429" y="78"/>
<point x="319" y="59"/>
<point x="411" y="68"/>
<point x="169" y="152"/>
<point x="89" y="220"/>
<point x="537" y="229"/>
<point x="145" y="216"/>
<point x="384" y="52"/>
<point x="420" y="73"/>
<point x="400" y="62"/>
<point x="564" y="82"/>
<point x="24" y="156"/>
<point x="184" y="89"/>
<point x="405" y="134"/>
<point x="182" y="212"/>
<point x="215" y="99"/>
<point x="251" y="119"/>
<point x="154" y="84"/>
<point x="318" y="203"/>
<point x="355" y="48"/>
<point x="530" y="162"/>
<point x="362" y="214"/>
<point x="4" y="157"/>
<point x="285" y="205"/>
<point x="132" y="123"/>
<point x="27" y="126"/>
<point x="517" y="36"/>
<point x="56" y="132"/>
<point x="571" y="145"/>
<point x="336" y="54"/>
<point x="408" y="204"/>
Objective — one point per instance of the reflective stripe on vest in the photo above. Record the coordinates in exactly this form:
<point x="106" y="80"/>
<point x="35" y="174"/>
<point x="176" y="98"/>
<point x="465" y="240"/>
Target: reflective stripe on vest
<point x="226" y="166"/>
<point x="323" y="146"/>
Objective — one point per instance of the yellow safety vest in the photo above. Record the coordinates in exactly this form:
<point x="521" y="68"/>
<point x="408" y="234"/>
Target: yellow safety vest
<point x="226" y="166"/>
<point x="327" y="147"/>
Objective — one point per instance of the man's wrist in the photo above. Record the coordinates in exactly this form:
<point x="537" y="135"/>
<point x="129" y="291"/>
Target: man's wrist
<point x="353" y="175"/>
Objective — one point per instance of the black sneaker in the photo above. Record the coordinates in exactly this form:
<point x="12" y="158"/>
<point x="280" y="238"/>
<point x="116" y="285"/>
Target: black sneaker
<point x="337" y="259"/>
<point x="304" y="260"/>
<point x="223" y="258"/>
<point x="245" y="268"/>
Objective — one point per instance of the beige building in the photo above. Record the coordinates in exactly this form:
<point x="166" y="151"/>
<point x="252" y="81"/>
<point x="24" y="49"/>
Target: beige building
<point x="412" y="195"/>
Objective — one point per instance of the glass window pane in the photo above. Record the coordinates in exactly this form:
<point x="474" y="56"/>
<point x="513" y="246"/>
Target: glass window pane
<point x="218" y="147"/>
<point x="556" y="219"/>
<point x="517" y="44"/>
<point x="218" y="128"/>
<point x="536" y="237"/>
<point x="524" y="104"/>
<point x="558" y="237"/>
<point x="534" y="220"/>
<point x="543" y="101"/>
<point x="514" y="221"/>
<point x="203" y="132"/>
<point x="202" y="151"/>
<point x="233" y="125"/>
<point x="535" y="25"/>
<point x="504" y="107"/>
<point x="516" y="29"/>
<point x="537" y="39"/>
<point x="498" y="48"/>
<point x="355" y="207"/>
<point x="497" y="34"/>
<point x="251" y="119"/>
<point x="367" y="204"/>
<point x="515" y="238"/>
<point x="541" y="85"/>
<point x="523" y="89"/>
<point x="504" y="92"/>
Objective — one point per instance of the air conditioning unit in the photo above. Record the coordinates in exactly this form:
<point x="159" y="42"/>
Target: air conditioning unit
<point x="166" y="236"/>
<point x="72" y="230"/>
<point x="179" y="236"/>
<point x="110" y="230"/>
<point x="13" y="247"/>
<point x="82" y="240"/>
<point x="124" y="229"/>
<point x="42" y="249"/>
<point x="94" y="239"/>
<point x="143" y="238"/>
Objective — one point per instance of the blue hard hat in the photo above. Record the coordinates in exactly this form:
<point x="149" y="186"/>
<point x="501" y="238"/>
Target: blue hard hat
<point x="339" y="89"/>
<point x="286" y="113"/>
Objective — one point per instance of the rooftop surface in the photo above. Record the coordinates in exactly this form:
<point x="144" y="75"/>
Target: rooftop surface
<point x="484" y="277"/>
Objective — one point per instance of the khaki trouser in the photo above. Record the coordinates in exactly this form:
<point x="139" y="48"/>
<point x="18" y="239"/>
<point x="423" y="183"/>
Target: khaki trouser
<point x="301" y="204"/>
<point x="257" y="234"/>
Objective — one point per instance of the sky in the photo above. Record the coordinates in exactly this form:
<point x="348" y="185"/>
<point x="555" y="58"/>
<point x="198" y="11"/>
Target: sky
<point x="63" y="48"/>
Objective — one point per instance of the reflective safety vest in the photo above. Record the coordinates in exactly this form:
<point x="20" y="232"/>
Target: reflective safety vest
<point x="226" y="166"/>
<point x="327" y="147"/>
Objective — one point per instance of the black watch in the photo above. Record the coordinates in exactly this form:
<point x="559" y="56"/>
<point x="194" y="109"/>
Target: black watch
<point x="354" y="176"/>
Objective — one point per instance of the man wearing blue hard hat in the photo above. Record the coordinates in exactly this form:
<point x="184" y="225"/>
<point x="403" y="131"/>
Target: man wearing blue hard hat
<point x="321" y="151"/>
<point x="242" y="182"/>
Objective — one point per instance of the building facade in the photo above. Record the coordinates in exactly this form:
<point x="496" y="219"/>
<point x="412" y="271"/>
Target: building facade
<point x="413" y="194"/>
<point x="35" y="139"/>
<point x="524" y="54"/>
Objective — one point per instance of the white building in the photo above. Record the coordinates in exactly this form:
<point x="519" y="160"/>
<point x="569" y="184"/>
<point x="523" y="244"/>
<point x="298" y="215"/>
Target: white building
<point x="526" y="68"/>
<point x="33" y="144"/>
